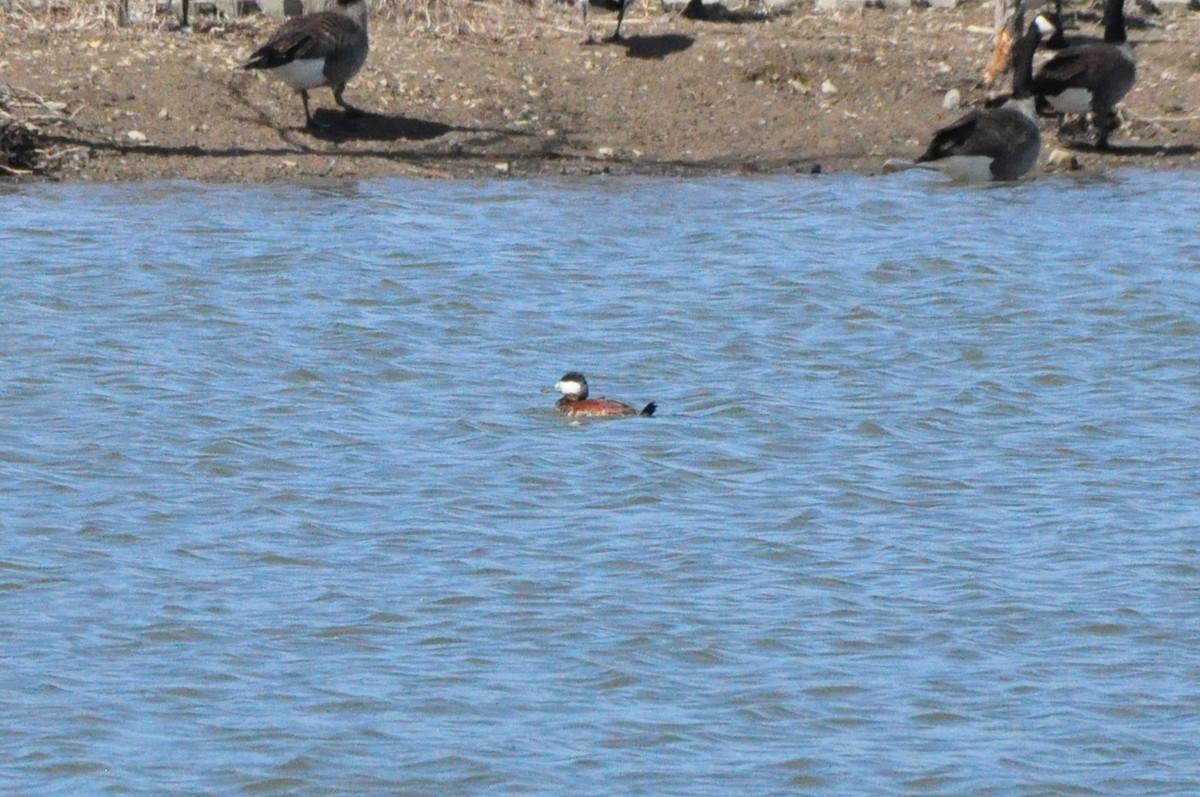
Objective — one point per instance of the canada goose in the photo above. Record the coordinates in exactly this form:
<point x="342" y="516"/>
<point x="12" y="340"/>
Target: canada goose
<point x="325" y="48"/>
<point x="1090" y="77"/>
<point x="993" y="143"/>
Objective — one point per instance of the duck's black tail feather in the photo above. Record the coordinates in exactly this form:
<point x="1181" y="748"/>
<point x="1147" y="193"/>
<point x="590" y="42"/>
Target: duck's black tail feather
<point x="649" y="409"/>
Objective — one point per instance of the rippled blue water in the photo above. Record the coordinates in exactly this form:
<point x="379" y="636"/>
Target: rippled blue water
<point x="284" y="509"/>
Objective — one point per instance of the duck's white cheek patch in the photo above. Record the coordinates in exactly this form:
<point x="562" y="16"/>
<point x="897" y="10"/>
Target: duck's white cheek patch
<point x="570" y="388"/>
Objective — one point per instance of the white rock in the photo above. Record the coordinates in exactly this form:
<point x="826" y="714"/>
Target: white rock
<point x="1062" y="159"/>
<point x="136" y="136"/>
<point x="952" y="100"/>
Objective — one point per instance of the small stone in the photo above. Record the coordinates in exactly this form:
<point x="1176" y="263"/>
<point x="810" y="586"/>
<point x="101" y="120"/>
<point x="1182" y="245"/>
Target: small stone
<point x="136" y="136"/>
<point x="1062" y="159"/>
<point x="606" y="152"/>
<point x="952" y="100"/>
<point x="828" y="88"/>
<point x="799" y="85"/>
<point x="501" y="167"/>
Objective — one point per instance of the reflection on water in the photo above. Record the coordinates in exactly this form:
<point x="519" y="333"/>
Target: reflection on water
<point x="286" y="509"/>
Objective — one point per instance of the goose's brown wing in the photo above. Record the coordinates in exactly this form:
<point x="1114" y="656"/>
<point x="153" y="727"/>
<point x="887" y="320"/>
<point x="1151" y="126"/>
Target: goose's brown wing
<point x="317" y="35"/>
<point x="953" y="139"/>
<point x="1075" y="67"/>
<point x="994" y="133"/>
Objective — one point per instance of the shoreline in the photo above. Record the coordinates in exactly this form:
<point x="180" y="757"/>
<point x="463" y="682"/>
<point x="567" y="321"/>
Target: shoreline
<point x="514" y="91"/>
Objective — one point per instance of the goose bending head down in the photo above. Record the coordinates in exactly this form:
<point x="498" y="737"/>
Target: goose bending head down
<point x="993" y="143"/>
<point x="326" y="48"/>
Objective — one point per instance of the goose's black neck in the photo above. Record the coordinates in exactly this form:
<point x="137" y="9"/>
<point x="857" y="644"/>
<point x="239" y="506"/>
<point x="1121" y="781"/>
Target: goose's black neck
<point x="1058" y="39"/>
<point x="1114" y="22"/>
<point x="1022" y="87"/>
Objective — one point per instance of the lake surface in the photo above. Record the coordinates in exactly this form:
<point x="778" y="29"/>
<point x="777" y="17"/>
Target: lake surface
<point x="285" y="508"/>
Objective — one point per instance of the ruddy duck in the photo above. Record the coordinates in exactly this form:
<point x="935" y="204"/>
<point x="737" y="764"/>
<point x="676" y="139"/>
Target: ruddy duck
<point x="575" y="401"/>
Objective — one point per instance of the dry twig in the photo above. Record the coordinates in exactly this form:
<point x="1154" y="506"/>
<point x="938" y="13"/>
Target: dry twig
<point x="24" y="118"/>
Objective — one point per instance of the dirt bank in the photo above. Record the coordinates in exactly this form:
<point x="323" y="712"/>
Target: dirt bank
<point x="488" y="90"/>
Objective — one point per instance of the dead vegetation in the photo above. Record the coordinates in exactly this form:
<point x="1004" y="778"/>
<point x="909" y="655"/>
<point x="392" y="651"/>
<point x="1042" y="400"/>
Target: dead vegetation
<point x="58" y="16"/>
<point x="25" y="120"/>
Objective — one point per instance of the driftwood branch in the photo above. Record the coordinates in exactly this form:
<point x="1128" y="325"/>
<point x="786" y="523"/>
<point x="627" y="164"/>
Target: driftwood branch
<point x="25" y="116"/>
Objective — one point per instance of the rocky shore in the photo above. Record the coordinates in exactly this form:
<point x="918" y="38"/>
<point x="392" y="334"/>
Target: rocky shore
<point x="495" y="89"/>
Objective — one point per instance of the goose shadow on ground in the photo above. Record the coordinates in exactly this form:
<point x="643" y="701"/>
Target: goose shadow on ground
<point x="336" y="127"/>
<point x="1135" y="150"/>
<point x="653" y="47"/>
<point x="717" y="12"/>
<point x="370" y="128"/>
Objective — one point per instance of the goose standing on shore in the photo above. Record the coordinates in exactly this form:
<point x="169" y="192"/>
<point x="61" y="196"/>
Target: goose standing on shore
<point x="620" y="5"/>
<point x="993" y="143"/>
<point x="1090" y="77"/>
<point x="325" y="48"/>
<point x="616" y="34"/>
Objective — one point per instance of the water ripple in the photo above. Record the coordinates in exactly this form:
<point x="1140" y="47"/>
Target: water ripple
<point x="287" y="509"/>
